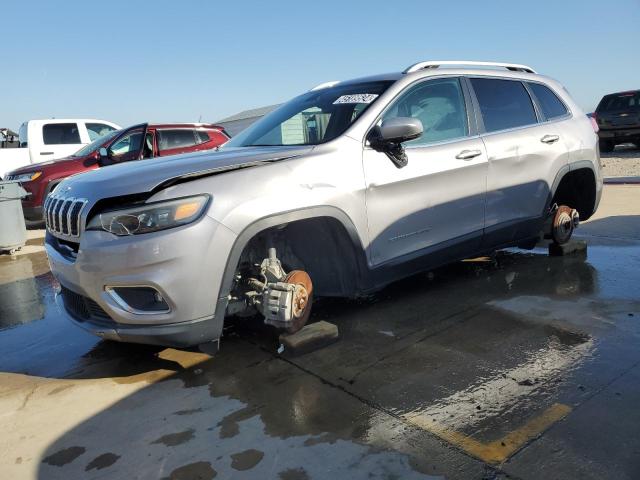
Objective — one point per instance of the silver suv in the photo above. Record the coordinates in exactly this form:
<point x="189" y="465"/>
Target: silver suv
<point x="344" y="189"/>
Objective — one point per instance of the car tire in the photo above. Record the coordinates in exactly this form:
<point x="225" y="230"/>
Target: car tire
<point x="606" y="146"/>
<point x="34" y="224"/>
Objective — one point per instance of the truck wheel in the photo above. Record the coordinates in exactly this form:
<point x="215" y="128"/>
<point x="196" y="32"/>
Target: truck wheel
<point x="302" y="300"/>
<point x="606" y="146"/>
<point x="564" y="221"/>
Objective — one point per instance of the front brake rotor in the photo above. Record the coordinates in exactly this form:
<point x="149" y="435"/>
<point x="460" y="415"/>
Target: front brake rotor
<point x="302" y="299"/>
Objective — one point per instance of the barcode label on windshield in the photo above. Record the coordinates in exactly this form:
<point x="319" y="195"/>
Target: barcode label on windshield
<point x="357" y="98"/>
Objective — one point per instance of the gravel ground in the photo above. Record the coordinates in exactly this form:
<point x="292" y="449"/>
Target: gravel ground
<point x="624" y="161"/>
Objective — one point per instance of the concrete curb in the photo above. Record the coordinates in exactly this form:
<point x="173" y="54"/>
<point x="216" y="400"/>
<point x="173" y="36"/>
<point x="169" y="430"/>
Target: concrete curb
<point x="622" y="180"/>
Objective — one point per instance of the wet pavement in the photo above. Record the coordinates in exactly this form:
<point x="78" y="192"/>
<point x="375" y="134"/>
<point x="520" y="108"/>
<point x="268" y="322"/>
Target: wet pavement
<point x="518" y="366"/>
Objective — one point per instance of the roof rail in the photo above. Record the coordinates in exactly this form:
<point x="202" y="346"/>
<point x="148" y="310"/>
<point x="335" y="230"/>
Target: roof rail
<point x="514" y="67"/>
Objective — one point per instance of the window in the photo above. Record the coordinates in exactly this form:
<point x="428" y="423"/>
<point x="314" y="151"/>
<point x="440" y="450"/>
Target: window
<point x="439" y="105"/>
<point x="60" y="134"/>
<point x="178" y="138"/>
<point x="202" y="136"/>
<point x="22" y="135"/>
<point x="552" y="106"/>
<point x="503" y="103"/>
<point x="127" y="144"/>
<point x="97" y="130"/>
<point x="312" y="118"/>
<point x="95" y="145"/>
<point x="620" y="101"/>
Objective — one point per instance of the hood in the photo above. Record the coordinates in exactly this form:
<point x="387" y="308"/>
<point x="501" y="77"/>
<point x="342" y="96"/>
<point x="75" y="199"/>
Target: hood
<point x="34" y="167"/>
<point x="147" y="175"/>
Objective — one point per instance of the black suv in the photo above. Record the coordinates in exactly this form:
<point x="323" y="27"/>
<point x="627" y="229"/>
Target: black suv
<point x="618" y="116"/>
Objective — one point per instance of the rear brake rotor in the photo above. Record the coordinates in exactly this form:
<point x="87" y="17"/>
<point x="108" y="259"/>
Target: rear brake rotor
<point x="562" y="227"/>
<point x="302" y="299"/>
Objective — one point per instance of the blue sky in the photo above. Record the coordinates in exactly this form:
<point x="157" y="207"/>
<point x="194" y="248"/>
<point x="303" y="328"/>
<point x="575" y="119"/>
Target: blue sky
<point x="132" y="61"/>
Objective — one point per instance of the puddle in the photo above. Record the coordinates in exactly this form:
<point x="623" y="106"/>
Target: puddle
<point x="25" y="288"/>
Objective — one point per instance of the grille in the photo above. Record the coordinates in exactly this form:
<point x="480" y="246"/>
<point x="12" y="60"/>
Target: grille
<point x="84" y="308"/>
<point x="62" y="215"/>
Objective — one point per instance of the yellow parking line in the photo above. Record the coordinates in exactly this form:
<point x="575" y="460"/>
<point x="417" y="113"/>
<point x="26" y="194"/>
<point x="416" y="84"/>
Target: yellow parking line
<point x="499" y="450"/>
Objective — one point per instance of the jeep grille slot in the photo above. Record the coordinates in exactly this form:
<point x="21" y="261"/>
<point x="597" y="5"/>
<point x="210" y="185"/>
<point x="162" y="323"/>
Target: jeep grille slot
<point x="62" y="215"/>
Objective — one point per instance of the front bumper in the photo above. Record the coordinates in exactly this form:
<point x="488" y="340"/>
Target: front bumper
<point x="180" y="335"/>
<point x="185" y="265"/>
<point x="33" y="214"/>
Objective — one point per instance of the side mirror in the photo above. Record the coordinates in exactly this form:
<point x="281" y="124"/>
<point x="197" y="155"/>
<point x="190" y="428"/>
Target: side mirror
<point x="103" y="156"/>
<point x="400" y="129"/>
<point x="390" y="135"/>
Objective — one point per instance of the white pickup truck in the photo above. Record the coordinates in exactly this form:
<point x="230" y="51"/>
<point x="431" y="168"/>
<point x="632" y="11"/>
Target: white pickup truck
<point x="51" y="139"/>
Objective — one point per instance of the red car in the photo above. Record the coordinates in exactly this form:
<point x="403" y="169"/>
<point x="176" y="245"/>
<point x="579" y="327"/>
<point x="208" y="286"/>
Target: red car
<point x="119" y="146"/>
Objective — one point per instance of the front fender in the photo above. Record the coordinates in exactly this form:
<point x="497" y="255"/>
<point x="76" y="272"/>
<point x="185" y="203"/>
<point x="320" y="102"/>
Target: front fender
<point x="264" y="223"/>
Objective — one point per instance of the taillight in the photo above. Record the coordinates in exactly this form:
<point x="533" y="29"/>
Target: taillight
<point x="594" y="122"/>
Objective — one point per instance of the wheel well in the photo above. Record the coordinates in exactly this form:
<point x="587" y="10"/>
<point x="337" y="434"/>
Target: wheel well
<point x="321" y="246"/>
<point x="51" y="185"/>
<point x="577" y="189"/>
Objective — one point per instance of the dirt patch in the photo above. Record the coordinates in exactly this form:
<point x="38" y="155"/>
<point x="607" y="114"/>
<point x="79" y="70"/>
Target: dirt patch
<point x="294" y="474"/>
<point x="173" y="439"/>
<point x="102" y="461"/>
<point x="246" y="460"/>
<point x="193" y="471"/>
<point x="65" y="456"/>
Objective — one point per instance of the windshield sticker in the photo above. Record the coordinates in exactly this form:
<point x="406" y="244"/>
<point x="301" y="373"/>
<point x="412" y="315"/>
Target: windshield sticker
<point x="357" y="98"/>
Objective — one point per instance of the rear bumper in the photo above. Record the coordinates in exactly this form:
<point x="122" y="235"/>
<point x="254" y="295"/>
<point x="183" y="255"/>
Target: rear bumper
<point x="620" y="134"/>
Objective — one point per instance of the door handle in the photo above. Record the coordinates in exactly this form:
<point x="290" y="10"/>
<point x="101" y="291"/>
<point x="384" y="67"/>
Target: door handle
<point x="550" y="139"/>
<point x="468" y="154"/>
<point x="46" y="153"/>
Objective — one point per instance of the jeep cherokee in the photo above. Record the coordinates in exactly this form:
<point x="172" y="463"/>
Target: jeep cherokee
<point x="342" y="190"/>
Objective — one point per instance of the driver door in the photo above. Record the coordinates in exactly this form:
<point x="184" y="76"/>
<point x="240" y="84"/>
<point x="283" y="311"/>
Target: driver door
<point x="129" y="146"/>
<point x="437" y="201"/>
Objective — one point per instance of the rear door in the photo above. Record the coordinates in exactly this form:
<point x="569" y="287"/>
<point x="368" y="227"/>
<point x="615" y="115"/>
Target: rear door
<point x="172" y="141"/>
<point x="524" y="152"/>
<point x="58" y="140"/>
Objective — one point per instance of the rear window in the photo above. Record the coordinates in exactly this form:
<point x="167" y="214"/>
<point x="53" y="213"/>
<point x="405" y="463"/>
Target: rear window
<point x="178" y="138"/>
<point x="620" y="101"/>
<point x="552" y="106"/>
<point x="61" y="134"/>
<point x="504" y="104"/>
<point x="202" y="136"/>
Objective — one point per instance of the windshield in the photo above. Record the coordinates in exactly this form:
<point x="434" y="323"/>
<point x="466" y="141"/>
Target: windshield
<point x="96" y="144"/>
<point x="312" y="118"/>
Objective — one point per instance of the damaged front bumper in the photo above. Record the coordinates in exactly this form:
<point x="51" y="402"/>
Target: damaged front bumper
<point x="184" y="265"/>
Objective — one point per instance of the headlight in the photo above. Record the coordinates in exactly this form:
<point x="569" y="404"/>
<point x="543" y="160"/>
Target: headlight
<point x="25" y="177"/>
<point x="150" y="217"/>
